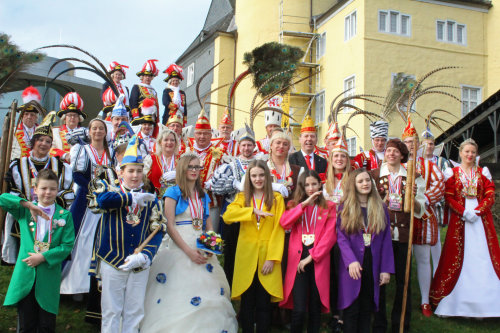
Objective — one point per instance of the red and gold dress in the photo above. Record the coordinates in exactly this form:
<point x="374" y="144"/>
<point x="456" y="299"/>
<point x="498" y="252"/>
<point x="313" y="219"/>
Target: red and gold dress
<point x="467" y="280"/>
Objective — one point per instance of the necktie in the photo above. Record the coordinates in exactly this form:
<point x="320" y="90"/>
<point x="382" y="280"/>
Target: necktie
<point x="308" y="161"/>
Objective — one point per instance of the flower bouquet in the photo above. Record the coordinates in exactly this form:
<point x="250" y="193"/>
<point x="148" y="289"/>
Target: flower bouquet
<point x="210" y="242"/>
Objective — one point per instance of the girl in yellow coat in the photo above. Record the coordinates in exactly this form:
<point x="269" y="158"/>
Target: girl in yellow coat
<point x="257" y="271"/>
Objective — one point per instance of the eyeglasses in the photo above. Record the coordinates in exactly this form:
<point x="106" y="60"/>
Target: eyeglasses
<point x="195" y="167"/>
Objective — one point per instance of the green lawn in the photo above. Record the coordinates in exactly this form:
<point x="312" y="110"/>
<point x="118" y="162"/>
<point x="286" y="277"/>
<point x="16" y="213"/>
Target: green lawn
<point x="71" y="314"/>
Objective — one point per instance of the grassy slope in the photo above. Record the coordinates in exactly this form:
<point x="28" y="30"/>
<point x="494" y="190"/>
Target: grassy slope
<point x="71" y="314"/>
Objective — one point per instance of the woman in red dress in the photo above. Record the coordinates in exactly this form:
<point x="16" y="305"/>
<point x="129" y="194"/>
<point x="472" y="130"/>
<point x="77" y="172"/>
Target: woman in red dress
<point x="467" y="280"/>
<point x="160" y="166"/>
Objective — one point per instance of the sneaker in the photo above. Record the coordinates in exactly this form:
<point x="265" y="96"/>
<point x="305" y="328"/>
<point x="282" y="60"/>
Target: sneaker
<point x="426" y="310"/>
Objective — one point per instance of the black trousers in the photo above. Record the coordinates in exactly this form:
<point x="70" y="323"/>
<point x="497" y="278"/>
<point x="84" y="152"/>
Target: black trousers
<point x="400" y="251"/>
<point x="32" y="318"/>
<point x="400" y="255"/>
<point x="255" y="308"/>
<point x="358" y="316"/>
<point x="306" y="295"/>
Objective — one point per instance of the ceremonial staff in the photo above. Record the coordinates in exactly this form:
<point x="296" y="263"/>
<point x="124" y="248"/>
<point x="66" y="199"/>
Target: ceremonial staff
<point x="417" y="91"/>
<point x="6" y="149"/>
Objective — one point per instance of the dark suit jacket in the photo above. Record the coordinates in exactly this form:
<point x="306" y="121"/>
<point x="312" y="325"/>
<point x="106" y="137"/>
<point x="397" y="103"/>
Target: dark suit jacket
<point x="298" y="159"/>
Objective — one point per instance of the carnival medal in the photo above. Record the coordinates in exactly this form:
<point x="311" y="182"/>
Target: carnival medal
<point x="196" y="208"/>
<point x="395" y="198"/>
<point x="309" y="236"/>
<point x="367" y="239"/>
<point x="254" y="202"/>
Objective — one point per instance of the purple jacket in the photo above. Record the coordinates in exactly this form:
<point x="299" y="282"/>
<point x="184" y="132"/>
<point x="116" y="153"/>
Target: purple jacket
<point x="352" y="249"/>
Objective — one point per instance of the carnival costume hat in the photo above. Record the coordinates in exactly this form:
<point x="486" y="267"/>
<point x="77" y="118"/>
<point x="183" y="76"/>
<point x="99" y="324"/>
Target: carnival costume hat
<point x="133" y="155"/>
<point x="340" y="146"/>
<point x="333" y="132"/>
<point x="149" y="68"/>
<point x="72" y="102"/>
<point x="272" y="118"/>
<point x="399" y="145"/>
<point x="246" y="134"/>
<point x="379" y="129"/>
<point x="178" y="117"/>
<point x="202" y="123"/>
<point x="409" y="131"/>
<point x="226" y="118"/>
<point x="279" y="134"/>
<point x="115" y="66"/>
<point x="172" y="71"/>
<point x="109" y="101"/>
<point x="308" y="125"/>
<point x="31" y="101"/>
<point x="119" y="110"/>
<point x="45" y="128"/>
<point x="148" y="109"/>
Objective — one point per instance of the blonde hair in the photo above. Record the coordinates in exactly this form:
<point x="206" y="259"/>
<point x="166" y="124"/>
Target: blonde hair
<point x="181" y="179"/>
<point x="352" y="216"/>
<point x="330" y="173"/>
<point x="468" y="142"/>
<point x="248" y="188"/>
<point x="164" y="133"/>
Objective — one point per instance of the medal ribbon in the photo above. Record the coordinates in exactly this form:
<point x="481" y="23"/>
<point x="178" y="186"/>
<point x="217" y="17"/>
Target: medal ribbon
<point x="394" y="184"/>
<point x="309" y="222"/>
<point x="103" y="160"/>
<point x="254" y="202"/>
<point x="33" y="169"/>
<point x="27" y="134"/>
<point x="196" y="207"/>
<point x="135" y="206"/>
<point x="164" y="164"/>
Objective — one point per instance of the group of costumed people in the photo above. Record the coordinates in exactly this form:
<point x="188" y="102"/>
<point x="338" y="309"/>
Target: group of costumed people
<point x="120" y="210"/>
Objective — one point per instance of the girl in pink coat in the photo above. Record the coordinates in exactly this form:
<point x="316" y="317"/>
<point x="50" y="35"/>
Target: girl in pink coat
<point x="307" y="281"/>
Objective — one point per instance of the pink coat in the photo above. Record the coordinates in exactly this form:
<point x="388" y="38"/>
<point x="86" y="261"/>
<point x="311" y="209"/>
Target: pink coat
<point x="325" y="238"/>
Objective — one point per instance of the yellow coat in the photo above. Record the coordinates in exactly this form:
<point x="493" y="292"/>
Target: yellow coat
<point x="255" y="246"/>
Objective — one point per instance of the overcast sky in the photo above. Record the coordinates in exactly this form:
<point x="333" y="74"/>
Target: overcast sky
<point x="126" y="31"/>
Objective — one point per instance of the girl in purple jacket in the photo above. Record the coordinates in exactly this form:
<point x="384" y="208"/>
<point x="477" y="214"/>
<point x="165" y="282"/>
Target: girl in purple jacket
<point x="307" y="281"/>
<point x="364" y="239"/>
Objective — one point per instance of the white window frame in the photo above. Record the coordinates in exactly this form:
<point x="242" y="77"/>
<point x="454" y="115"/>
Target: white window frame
<point x="393" y="75"/>
<point x="454" y="38"/>
<point x="352" y="92"/>
<point x="351" y="143"/>
<point x="321" y="46"/>
<point x="190" y="75"/>
<point x="466" y="103"/>
<point x="399" y="26"/>
<point x="320" y="107"/>
<point x="350" y="26"/>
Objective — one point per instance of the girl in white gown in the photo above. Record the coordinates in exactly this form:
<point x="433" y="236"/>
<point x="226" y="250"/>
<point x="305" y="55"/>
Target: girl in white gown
<point x="187" y="290"/>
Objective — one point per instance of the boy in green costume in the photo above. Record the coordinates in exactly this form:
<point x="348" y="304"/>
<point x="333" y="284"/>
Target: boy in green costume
<point x="47" y="237"/>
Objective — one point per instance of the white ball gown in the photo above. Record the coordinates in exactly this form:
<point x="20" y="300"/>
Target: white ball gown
<point x="182" y="296"/>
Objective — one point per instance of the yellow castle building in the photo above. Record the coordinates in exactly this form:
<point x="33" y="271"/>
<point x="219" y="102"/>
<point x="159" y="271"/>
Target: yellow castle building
<point x="353" y="44"/>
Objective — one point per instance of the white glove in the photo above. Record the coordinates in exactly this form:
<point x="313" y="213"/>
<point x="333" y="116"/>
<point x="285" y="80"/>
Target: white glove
<point x="237" y="185"/>
<point x="134" y="261"/>
<point x="469" y="216"/>
<point x="142" y="199"/>
<point x="281" y="189"/>
<point x="169" y="175"/>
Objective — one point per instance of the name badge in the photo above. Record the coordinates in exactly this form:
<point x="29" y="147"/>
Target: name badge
<point x="395" y="202"/>
<point x="308" y="239"/>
